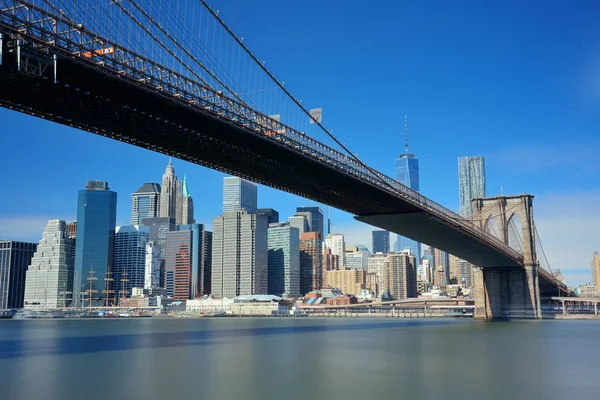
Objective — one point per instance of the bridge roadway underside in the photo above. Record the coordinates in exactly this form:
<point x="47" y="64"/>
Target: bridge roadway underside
<point x="90" y="99"/>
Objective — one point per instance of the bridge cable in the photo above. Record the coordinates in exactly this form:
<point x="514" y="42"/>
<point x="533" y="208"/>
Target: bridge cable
<point x="187" y="52"/>
<point x="297" y="102"/>
<point x="139" y="24"/>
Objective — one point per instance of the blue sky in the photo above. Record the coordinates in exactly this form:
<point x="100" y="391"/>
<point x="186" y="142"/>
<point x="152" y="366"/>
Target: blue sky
<point x="516" y="83"/>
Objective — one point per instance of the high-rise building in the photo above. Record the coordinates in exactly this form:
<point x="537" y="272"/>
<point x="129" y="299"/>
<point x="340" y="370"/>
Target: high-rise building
<point x="283" y="260"/>
<point x="375" y="265"/>
<point x="441" y="267"/>
<point x="187" y="205"/>
<point x="72" y="229"/>
<point x="357" y="258"/>
<point x="145" y="203"/>
<point x="239" y="194"/>
<point x="465" y="277"/>
<point x="271" y="214"/>
<point x="152" y="266"/>
<point x="129" y="265"/>
<point x="49" y="280"/>
<point x="299" y="222"/>
<point x="189" y="251"/>
<point x="311" y="262"/>
<point x="407" y="173"/>
<point x="349" y="281"/>
<point x="400" y="275"/>
<point x="596" y="270"/>
<point x="96" y="223"/>
<point x="335" y="242"/>
<point x="314" y="219"/>
<point x="15" y="257"/>
<point x="381" y="241"/>
<point x="168" y="193"/>
<point x="158" y="234"/>
<point x="239" y="254"/>
<point x="471" y="182"/>
<point x="331" y="262"/>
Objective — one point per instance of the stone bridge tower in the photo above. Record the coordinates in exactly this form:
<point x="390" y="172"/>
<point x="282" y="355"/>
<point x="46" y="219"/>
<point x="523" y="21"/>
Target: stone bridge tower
<point x="501" y="291"/>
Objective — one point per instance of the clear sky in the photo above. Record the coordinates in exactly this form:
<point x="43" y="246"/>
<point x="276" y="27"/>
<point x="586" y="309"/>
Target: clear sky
<point x="517" y="83"/>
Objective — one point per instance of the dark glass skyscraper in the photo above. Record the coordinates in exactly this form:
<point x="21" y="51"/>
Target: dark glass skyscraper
<point x="15" y="257"/>
<point x="381" y="241"/>
<point x="145" y="203"/>
<point x="407" y="173"/>
<point x="96" y="222"/>
<point x="314" y="217"/>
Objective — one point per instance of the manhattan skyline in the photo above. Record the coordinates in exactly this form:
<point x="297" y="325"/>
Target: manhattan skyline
<point x="507" y="117"/>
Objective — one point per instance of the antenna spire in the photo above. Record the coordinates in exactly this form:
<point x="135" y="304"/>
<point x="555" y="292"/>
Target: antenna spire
<point x="406" y="132"/>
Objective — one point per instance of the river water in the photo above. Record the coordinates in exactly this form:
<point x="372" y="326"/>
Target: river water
<point x="303" y="358"/>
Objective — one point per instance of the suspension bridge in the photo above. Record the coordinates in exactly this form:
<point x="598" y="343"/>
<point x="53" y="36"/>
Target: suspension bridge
<point x="171" y="76"/>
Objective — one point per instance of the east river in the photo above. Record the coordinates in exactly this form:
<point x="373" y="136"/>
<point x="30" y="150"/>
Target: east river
<point x="302" y="358"/>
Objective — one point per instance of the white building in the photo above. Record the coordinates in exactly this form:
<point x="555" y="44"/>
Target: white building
<point x="208" y="305"/>
<point x="335" y="242"/>
<point x="376" y="264"/>
<point x="49" y="278"/>
<point x="152" y="266"/>
<point x="424" y="271"/>
<point x="357" y="258"/>
<point x="300" y="222"/>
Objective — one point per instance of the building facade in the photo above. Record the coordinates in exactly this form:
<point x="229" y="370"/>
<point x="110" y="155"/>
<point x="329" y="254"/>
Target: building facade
<point x="152" y="266"/>
<point x="187" y="205"/>
<point x="314" y="219"/>
<point x="441" y="267"/>
<point x="471" y="182"/>
<point x="348" y="281"/>
<point x="239" y="194"/>
<point x="94" y="252"/>
<point x="375" y="265"/>
<point x="381" y="241"/>
<point x="145" y="203"/>
<point x="299" y="222"/>
<point x="283" y="260"/>
<point x="168" y="193"/>
<point x="129" y="265"/>
<point x="239" y="254"/>
<point x="271" y="214"/>
<point x="158" y="234"/>
<point x="596" y="269"/>
<point x="357" y="258"/>
<point x="15" y="257"/>
<point x="335" y="242"/>
<point x="311" y="262"/>
<point x="400" y="276"/>
<point x="49" y="279"/>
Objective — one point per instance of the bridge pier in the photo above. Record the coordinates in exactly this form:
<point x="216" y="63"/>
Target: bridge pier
<point x="506" y="293"/>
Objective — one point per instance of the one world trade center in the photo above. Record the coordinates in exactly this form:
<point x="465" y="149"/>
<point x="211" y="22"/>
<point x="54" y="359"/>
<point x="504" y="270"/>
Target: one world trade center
<point x="407" y="173"/>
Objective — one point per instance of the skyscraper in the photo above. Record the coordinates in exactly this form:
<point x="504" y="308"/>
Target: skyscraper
<point x="239" y="254"/>
<point x="188" y="256"/>
<point x="381" y="241"/>
<point x="96" y="222"/>
<point x="152" y="266"/>
<point x="596" y="270"/>
<point x="158" y="234"/>
<point x="407" y="173"/>
<point x="239" y="194"/>
<point x="311" y="262"/>
<point x="168" y="193"/>
<point x="283" y="260"/>
<point x="471" y="182"/>
<point x="49" y="277"/>
<point x="15" y="257"/>
<point x="441" y="267"/>
<point x="145" y="203"/>
<point x="314" y="219"/>
<point x="336" y="243"/>
<point x="187" y="205"/>
<point x="271" y="214"/>
<point x="400" y="275"/>
<point x="299" y="222"/>
<point x="129" y="265"/>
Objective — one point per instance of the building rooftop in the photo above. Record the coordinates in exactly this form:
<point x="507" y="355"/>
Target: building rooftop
<point x="148" y="188"/>
<point x="256" y="297"/>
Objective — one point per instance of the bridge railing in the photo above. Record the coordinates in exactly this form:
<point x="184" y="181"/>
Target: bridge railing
<point x="54" y="34"/>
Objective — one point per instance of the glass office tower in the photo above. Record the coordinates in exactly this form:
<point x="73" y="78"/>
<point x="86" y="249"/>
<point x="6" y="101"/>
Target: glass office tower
<point x="96" y="223"/>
